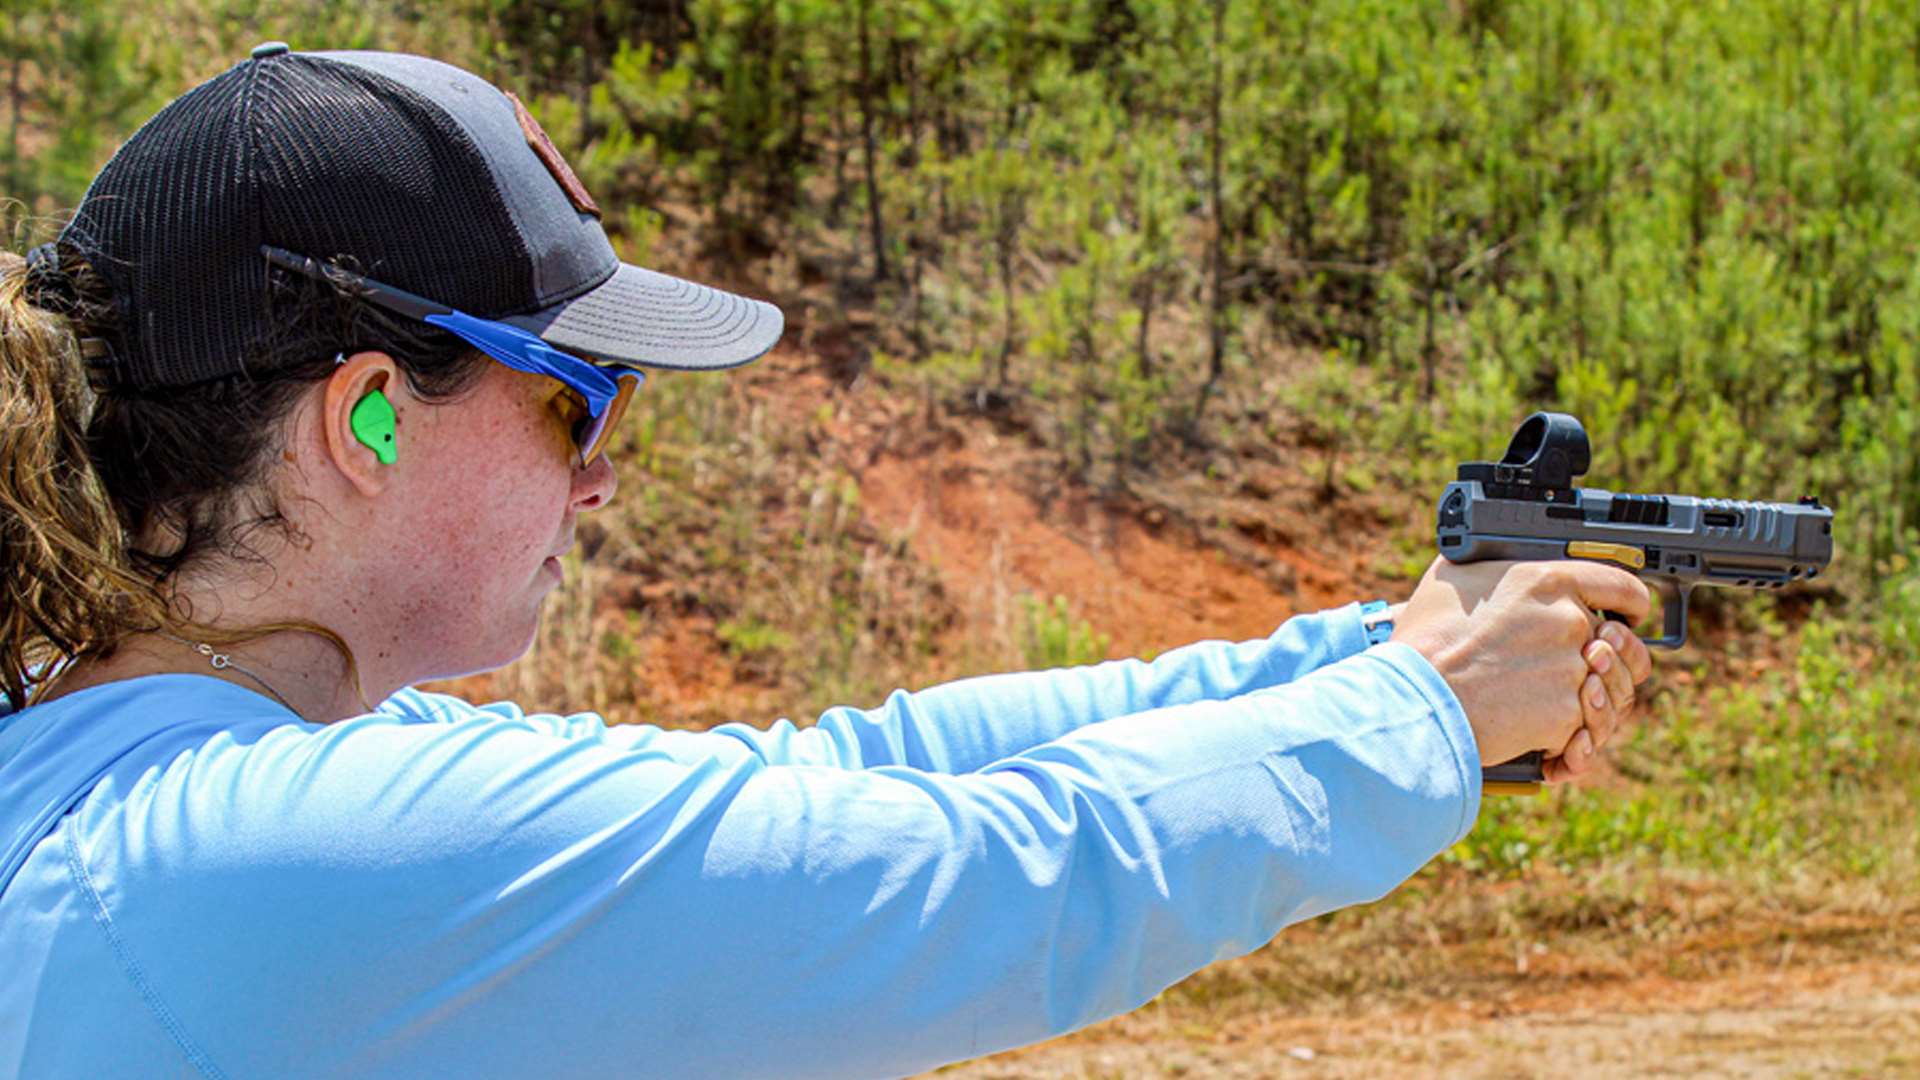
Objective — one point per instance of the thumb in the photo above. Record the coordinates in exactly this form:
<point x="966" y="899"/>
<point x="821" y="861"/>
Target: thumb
<point x="1609" y="588"/>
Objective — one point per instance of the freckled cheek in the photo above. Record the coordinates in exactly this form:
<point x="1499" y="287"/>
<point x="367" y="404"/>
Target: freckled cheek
<point x="499" y="491"/>
<point x="504" y="530"/>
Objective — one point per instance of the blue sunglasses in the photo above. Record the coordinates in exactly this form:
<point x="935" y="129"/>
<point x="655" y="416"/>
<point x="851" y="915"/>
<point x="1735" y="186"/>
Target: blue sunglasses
<point x="603" y="390"/>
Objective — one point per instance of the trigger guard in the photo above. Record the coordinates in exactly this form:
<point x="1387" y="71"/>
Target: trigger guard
<point x="1673" y="602"/>
<point x="1673" y="615"/>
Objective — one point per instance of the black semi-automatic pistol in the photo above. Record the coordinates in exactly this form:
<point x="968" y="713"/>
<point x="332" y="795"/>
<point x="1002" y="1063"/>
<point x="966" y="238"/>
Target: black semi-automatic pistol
<point x="1526" y="506"/>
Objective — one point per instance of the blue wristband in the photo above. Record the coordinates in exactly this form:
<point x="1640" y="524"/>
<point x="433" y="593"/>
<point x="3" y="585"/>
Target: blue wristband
<point x="1376" y="621"/>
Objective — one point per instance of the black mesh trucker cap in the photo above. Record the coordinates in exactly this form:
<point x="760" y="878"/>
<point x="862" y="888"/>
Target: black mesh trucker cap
<point x="409" y="171"/>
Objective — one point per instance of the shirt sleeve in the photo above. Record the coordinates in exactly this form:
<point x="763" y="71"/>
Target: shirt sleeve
<point x="962" y="726"/>
<point x="479" y="898"/>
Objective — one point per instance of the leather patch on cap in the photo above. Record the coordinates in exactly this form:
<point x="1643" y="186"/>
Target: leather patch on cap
<point x="549" y="156"/>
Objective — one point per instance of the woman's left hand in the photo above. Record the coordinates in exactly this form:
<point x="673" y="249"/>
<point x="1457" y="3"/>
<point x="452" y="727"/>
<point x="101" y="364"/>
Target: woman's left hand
<point x="1617" y="661"/>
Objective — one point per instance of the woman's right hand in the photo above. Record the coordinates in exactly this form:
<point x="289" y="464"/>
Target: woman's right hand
<point x="1511" y="640"/>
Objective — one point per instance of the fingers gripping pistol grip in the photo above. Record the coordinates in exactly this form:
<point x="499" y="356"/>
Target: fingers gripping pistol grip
<point x="1524" y="774"/>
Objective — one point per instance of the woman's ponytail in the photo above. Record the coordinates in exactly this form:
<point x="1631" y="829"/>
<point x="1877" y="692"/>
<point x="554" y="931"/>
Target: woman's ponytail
<point x="67" y="587"/>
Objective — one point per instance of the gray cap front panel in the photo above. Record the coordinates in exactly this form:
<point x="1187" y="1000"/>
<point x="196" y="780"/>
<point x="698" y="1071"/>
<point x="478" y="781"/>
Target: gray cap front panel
<point x="570" y="251"/>
<point x="641" y="317"/>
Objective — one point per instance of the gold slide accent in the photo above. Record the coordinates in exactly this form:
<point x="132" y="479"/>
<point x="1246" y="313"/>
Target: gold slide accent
<point x="1625" y="555"/>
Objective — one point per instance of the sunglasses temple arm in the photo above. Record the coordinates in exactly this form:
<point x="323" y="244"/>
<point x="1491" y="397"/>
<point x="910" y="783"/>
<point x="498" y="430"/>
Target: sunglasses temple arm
<point x="395" y="300"/>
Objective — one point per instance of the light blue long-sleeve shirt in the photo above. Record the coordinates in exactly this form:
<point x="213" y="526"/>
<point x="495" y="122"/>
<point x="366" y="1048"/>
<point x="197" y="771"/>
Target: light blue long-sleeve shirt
<point x="195" y="883"/>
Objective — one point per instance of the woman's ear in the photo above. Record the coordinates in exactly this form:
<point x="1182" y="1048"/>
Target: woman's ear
<point x="360" y="421"/>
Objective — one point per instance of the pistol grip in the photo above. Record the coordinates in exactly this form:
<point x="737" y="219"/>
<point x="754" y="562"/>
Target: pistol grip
<point x="1521" y="776"/>
<point x="1508" y="787"/>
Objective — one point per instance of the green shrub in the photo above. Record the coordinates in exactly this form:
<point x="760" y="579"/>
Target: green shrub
<point x="1051" y="637"/>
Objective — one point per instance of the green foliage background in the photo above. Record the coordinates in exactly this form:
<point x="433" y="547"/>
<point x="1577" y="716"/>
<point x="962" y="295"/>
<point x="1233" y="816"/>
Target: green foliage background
<point x="1689" y="223"/>
<point x="1151" y="229"/>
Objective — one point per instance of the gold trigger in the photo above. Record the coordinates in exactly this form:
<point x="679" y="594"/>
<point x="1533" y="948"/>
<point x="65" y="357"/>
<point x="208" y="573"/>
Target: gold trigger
<point x="1623" y="554"/>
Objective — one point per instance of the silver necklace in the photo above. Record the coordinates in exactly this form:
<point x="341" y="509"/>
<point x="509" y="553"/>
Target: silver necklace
<point x="222" y="661"/>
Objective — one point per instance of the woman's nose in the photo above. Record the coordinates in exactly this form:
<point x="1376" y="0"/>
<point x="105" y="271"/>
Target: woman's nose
<point x="593" y="486"/>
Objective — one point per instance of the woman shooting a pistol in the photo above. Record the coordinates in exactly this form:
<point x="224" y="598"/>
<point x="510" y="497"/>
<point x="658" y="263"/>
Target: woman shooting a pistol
<point x="301" y="410"/>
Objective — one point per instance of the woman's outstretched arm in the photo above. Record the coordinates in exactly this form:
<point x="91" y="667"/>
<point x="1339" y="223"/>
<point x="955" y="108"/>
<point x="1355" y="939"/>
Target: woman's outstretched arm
<point x="961" y="726"/>
<point x="482" y="898"/>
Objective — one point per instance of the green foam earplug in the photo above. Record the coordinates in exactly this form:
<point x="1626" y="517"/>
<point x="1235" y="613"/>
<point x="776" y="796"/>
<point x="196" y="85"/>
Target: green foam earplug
<point x="372" y="421"/>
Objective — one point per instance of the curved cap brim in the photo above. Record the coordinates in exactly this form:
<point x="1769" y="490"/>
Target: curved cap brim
<point x="641" y="317"/>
